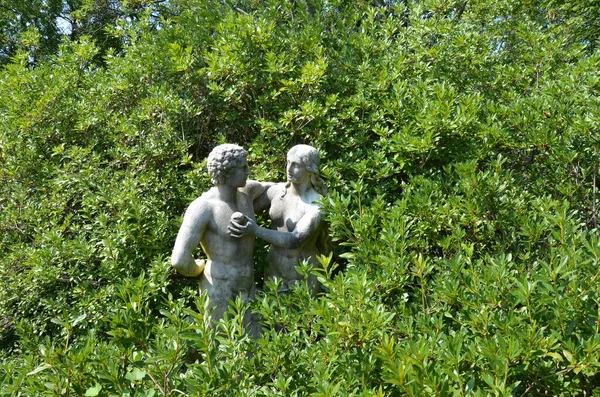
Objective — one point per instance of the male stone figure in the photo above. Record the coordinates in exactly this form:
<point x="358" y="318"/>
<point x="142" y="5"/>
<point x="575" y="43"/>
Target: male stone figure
<point x="229" y="270"/>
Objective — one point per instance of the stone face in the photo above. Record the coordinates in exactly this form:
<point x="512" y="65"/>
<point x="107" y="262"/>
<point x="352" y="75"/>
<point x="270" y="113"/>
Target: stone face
<point x="298" y="231"/>
<point x="228" y="271"/>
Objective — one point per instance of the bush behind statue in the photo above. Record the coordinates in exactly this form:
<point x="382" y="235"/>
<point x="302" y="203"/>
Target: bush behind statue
<point x="459" y="142"/>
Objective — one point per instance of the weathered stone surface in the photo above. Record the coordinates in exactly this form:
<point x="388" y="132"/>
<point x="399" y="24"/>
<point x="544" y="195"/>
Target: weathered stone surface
<point x="228" y="271"/>
<point x="298" y="231"/>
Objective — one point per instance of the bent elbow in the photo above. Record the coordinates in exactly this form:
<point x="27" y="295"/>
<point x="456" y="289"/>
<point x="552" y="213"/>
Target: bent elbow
<point x="177" y="265"/>
<point x="178" y="262"/>
<point x="184" y="268"/>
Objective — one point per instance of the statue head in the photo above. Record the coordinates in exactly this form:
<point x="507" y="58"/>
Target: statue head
<point x="224" y="160"/>
<point x="308" y="155"/>
<point x="309" y="158"/>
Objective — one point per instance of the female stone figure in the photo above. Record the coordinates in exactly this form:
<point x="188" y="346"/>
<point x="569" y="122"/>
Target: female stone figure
<point x="298" y="231"/>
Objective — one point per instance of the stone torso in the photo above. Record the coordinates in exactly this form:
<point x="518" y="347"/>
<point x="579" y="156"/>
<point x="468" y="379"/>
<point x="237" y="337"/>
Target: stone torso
<point x="285" y="212"/>
<point x="229" y="258"/>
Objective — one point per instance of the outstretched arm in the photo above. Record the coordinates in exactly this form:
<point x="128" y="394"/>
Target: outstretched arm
<point x="304" y="229"/>
<point x="258" y="193"/>
<point x="195" y="222"/>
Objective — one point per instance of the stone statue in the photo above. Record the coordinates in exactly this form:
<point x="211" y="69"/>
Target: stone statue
<point x="229" y="268"/>
<point x="298" y="231"/>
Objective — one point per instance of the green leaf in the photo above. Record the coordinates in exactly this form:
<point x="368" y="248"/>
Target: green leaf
<point x="39" y="369"/>
<point x="94" y="390"/>
<point x="556" y="356"/>
<point x="347" y="255"/>
<point x="79" y="319"/>
<point x="489" y="379"/>
<point x="136" y="374"/>
<point x="568" y="355"/>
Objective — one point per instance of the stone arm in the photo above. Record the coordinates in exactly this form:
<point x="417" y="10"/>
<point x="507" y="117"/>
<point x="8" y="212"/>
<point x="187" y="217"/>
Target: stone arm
<point x="195" y="222"/>
<point x="258" y="193"/>
<point x="305" y="228"/>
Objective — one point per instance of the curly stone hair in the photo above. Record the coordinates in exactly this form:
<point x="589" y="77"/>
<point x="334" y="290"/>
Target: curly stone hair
<point x="222" y="160"/>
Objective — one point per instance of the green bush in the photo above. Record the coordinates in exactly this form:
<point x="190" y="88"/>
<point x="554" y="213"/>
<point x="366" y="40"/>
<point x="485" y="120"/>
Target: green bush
<point x="460" y="144"/>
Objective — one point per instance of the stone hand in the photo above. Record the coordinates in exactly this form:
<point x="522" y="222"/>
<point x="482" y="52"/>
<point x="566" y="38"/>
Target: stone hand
<point x="240" y="226"/>
<point x="200" y="265"/>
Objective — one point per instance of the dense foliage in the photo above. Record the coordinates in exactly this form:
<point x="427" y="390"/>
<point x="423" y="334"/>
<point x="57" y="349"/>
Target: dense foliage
<point x="460" y="141"/>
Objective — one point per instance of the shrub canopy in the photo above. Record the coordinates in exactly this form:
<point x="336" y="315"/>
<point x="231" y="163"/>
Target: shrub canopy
<point x="460" y="144"/>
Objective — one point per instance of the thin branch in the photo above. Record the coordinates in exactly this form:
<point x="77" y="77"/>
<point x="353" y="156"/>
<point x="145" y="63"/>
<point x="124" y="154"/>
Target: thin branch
<point x="240" y="10"/>
<point x="594" y="208"/>
<point x="544" y="378"/>
<point x="160" y="389"/>
<point x="461" y="10"/>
